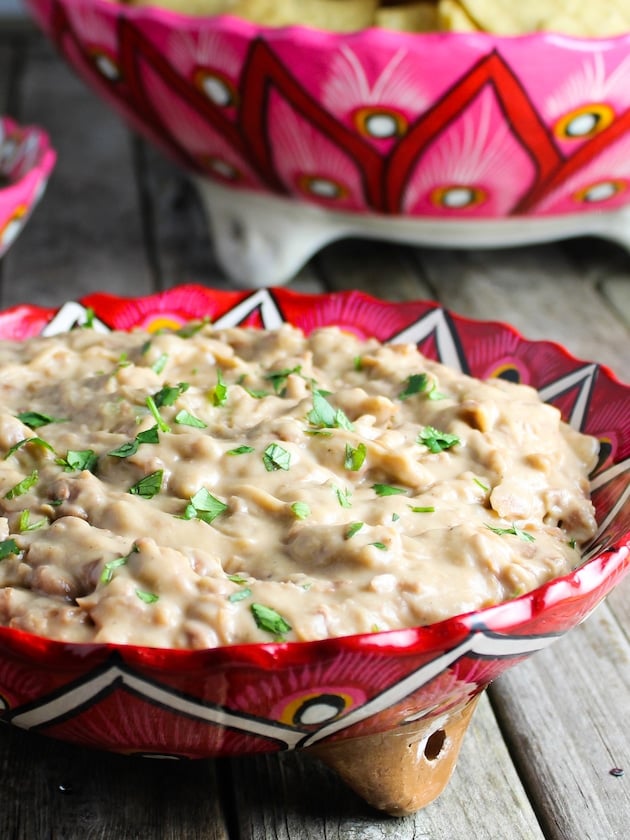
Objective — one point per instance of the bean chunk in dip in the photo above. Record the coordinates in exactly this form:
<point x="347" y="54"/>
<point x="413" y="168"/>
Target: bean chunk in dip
<point x="210" y="487"/>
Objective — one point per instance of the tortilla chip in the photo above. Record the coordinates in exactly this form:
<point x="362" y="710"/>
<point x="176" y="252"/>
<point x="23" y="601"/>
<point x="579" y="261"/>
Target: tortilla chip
<point x="335" y="15"/>
<point x="408" y="17"/>
<point x="453" y="18"/>
<point x="572" y="17"/>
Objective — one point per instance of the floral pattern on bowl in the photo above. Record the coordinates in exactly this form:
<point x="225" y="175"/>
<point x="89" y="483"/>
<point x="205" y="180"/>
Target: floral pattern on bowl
<point x="451" y="126"/>
<point x="26" y="161"/>
<point x="339" y="693"/>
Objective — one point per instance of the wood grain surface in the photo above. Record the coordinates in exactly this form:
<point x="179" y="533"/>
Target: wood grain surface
<point x="537" y="759"/>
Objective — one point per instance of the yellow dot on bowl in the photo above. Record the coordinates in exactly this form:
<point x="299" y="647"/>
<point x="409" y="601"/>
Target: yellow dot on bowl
<point x="584" y="121"/>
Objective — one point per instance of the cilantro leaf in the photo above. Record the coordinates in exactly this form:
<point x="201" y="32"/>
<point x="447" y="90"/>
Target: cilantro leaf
<point x="324" y="416"/>
<point x="34" y="419"/>
<point x="515" y="531"/>
<point x="239" y="595"/>
<point x="169" y="394"/>
<point x="420" y="383"/>
<point x="426" y="509"/>
<point x="269" y="620"/>
<point x="435" y="440"/>
<point x="275" y="457"/>
<point x="185" y="418"/>
<point x="354" y="458"/>
<point x="388" y="490"/>
<point x="23" y="486"/>
<point x="160" y="363"/>
<point x="241" y="450"/>
<point x="153" y="408"/>
<point x="300" y="510"/>
<point x="78" y="459"/>
<point x="203" y="505"/>
<point x="147" y="597"/>
<point x="353" y="529"/>
<point x="36" y="441"/>
<point x="344" y="497"/>
<point x="8" y="548"/>
<point x="278" y="378"/>
<point x="218" y="395"/>
<point x="25" y="523"/>
<point x="108" y="569"/>
<point x="149" y="486"/>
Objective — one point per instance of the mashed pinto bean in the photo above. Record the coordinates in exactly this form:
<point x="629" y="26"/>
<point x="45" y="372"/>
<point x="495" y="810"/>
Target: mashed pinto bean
<point x="214" y="487"/>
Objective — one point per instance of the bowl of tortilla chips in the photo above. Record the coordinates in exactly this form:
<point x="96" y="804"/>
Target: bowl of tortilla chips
<point x="456" y="122"/>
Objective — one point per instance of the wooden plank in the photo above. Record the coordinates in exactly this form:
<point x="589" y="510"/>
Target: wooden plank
<point x="65" y="251"/>
<point x="178" y="233"/>
<point x="49" y="789"/>
<point x="289" y="796"/>
<point x="378" y="268"/>
<point x="539" y="290"/>
<point x="566" y="715"/>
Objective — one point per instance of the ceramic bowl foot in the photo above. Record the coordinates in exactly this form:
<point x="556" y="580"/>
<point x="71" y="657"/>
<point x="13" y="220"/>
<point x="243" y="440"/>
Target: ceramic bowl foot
<point x="263" y="240"/>
<point x="404" y="769"/>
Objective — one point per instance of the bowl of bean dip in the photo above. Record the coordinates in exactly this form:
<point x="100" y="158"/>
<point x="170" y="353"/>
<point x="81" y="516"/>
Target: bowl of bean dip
<point x="463" y="124"/>
<point x="235" y="522"/>
<point x="26" y="161"/>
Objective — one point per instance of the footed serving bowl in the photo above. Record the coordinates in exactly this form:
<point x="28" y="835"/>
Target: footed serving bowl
<point x="296" y="137"/>
<point x="26" y="161"/>
<point x="387" y="710"/>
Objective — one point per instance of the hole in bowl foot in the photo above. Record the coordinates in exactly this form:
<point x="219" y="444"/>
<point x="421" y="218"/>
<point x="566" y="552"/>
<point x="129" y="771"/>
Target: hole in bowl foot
<point x="434" y="745"/>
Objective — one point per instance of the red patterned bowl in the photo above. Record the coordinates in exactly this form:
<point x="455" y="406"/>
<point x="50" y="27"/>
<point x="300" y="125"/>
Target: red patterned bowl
<point x="445" y="138"/>
<point x="26" y="161"/>
<point x="402" y="698"/>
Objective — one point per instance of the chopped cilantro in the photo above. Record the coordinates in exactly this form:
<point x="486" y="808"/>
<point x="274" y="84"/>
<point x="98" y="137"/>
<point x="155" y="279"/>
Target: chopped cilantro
<point x="380" y="545"/>
<point x="34" y="419"/>
<point x="300" y="510"/>
<point x="25" y="523"/>
<point x="185" y="418"/>
<point x="109" y="568"/>
<point x="218" y="395"/>
<point x="483" y="486"/>
<point x="269" y="620"/>
<point x="353" y="529"/>
<point x="420" y="383"/>
<point x="437" y="441"/>
<point x="129" y="448"/>
<point x="192" y="328"/>
<point x="324" y="416"/>
<point x="425" y="509"/>
<point x="239" y="595"/>
<point x="237" y="578"/>
<point x="203" y="505"/>
<point x="149" y="486"/>
<point x="8" y="548"/>
<point x="160" y="363"/>
<point x="36" y="441"/>
<point x="387" y="490"/>
<point x="147" y="597"/>
<point x="275" y="457"/>
<point x="23" y="486"/>
<point x="354" y="458"/>
<point x="344" y="497"/>
<point x="78" y="459"/>
<point x="241" y="450"/>
<point x="515" y="531"/>
<point x="153" y="408"/>
<point x="169" y="394"/>
<point x="278" y="378"/>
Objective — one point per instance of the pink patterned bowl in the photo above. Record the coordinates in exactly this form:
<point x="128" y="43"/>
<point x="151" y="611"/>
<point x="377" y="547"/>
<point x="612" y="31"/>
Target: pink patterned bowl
<point x="26" y="161"/>
<point x="386" y="710"/>
<point x="450" y="138"/>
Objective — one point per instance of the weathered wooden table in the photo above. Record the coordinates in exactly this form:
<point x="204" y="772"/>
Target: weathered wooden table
<point x="537" y="760"/>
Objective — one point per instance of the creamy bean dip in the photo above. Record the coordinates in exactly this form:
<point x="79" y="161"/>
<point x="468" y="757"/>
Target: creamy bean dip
<point x="210" y="487"/>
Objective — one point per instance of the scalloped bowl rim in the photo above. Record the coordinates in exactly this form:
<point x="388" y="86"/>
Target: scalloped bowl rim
<point x="582" y="580"/>
<point x="46" y="154"/>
